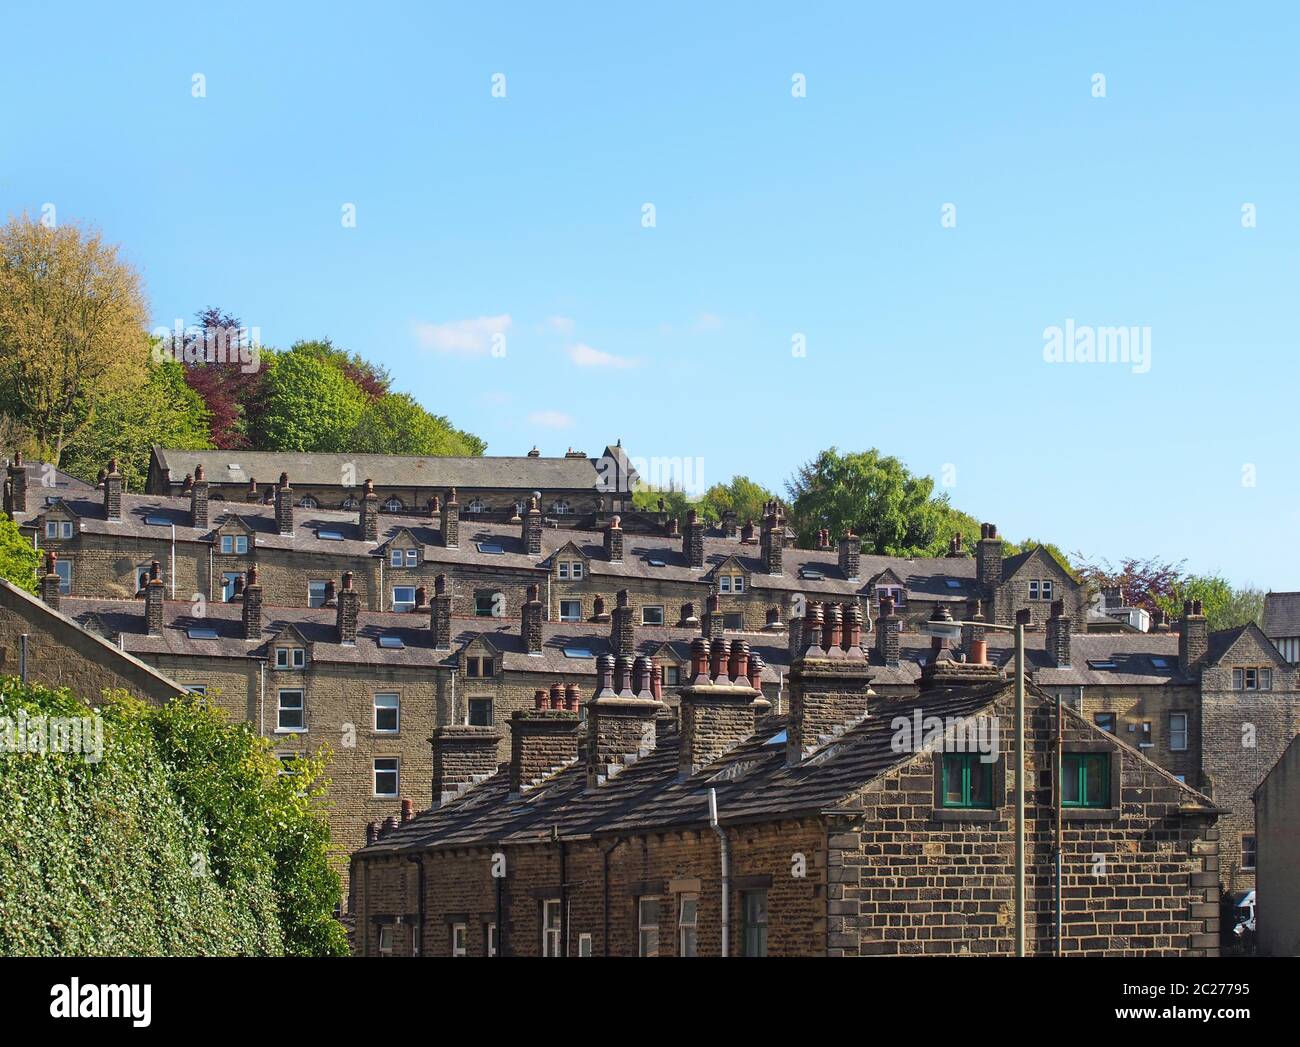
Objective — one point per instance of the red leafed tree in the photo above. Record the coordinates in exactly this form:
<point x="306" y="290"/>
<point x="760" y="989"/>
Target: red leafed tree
<point x="228" y="389"/>
<point x="1142" y="583"/>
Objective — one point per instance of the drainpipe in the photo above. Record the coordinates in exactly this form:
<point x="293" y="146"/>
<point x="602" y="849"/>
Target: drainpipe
<point x="261" y="698"/>
<point x="564" y="893"/>
<point x="605" y="853"/>
<point x="1060" y="744"/>
<point x="418" y="933"/>
<point x="724" y="850"/>
<point x="173" y="566"/>
<point x="22" y="657"/>
<point x="500" y="927"/>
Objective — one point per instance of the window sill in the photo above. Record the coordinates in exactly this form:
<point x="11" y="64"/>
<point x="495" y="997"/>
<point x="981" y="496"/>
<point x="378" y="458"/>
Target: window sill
<point x="1090" y="814"/>
<point x="965" y="814"/>
<point x="290" y="730"/>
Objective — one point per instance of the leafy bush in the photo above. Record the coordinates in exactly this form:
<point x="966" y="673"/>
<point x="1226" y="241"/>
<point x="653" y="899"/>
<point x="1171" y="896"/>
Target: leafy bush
<point x="184" y="839"/>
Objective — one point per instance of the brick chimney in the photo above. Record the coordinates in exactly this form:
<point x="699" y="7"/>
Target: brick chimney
<point x="729" y="527"/>
<point x="620" y="723"/>
<point x="773" y="539"/>
<point x="153" y="600"/>
<point x="541" y="742"/>
<point x="887" y="629"/>
<point x="252" y="606"/>
<point x="50" y="581"/>
<point x="622" y="635"/>
<point x="1058" y="635"/>
<point x="717" y="705"/>
<point x="532" y="528"/>
<point x="988" y="557"/>
<point x="17" y="473"/>
<point x="113" y="492"/>
<point x="368" y="512"/>
<point x="251" y="496"/>
<point x="440" y="615"/>
<point x="463" y="756"/>
<point x="693" y="541"/>
<point x="284" y="506"/>
<point x="973" y="634"/>
<point x="451" y="520"/>
<point x="530" y="628"/>
<point x="614" y="540"/>
<point x="348" y="604"/>
<point x="712" y="622"/>
<point x="830" y="687"/>
<point x="1158" y="622"/>
<point x="1193" y="636"/>
<point x="851" y="556"/>
<point x="199" y="499"/>
<point x="955" y="549"/>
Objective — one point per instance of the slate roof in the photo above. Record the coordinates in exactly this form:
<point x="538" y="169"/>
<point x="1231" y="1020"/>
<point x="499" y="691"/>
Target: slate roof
<point x="1281" y="615"/>
<point x="523" y="473"/>
<point x="65" y="484"/>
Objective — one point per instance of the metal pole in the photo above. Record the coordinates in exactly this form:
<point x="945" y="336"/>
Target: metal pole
<point x="1020" y="787"/>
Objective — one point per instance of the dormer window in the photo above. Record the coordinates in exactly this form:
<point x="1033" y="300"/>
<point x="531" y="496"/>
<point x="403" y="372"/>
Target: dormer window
<point x="570" y="569"/>
<point x="898" y="593"/>
<point x="731" y="583"/>
<point x="476" y="506"/>
<point x="560" y="508"/>
<point x="1041" y="589"/>
<point x="58" y="529"/>
<point x="234" y="543"/>
<point x="393" y="505"/>
<point x="350" y="504"/>
<point x="290" y="658"/>
<point x="308" y="502"/>
<point x="478" y="668"/>
<point x="403" y="557"/>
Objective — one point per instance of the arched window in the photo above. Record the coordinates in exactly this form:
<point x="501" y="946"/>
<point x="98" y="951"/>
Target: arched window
<point x="350" y="504"/>
<point x="476" y="506"/>
<point x="560" y="508"/>
<point x="393" y="505"/>
<point x="308" y="502"/>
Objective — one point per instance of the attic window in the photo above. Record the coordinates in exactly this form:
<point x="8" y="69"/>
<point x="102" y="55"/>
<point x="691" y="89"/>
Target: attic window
<point x="1102" y="663"/>
<point x="53" y="499"/>
<point x="330" y="536"/>
<point x="810" y="575"/>
<point x="953" y="583"/>
<point x="392" y="643"/>
<point x="579" y="652"/>
<point x="657" y="563"/>
<point x="204" y="633"/>
<point x="157" y="521"/>
<point x="1160" y="663"/>
<point x="491" y="548"/>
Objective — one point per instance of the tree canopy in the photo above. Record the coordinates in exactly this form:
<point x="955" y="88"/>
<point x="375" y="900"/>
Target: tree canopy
<point x="18" y="560"/>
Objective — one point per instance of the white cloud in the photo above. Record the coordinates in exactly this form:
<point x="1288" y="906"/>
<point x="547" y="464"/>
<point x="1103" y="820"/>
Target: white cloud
<point x="560" y="324"/>
<point x="551" y="419"/>
<point x="707" y="322"/>
<point x="471" y="337"/>
<point x="586" y="356"/>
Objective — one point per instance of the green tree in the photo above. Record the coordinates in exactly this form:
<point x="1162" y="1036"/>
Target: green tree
<point x="1223" y="605"/>
<point x="18" y="560"/>
<point x="310" y="404"/>
<point x="891" y="509"/>
<point x="675" y="502"/>
<point x="740" y="495"/>
<point x="395" y="424"/>
<point x="72" y="328"/>
<point x="126" y="424"/>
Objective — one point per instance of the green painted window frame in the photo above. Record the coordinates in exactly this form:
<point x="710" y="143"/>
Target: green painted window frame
<point x="961" y="763"/>
<point x="1077" y="764"/>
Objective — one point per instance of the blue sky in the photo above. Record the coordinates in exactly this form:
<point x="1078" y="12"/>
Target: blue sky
<point x="774" y="216"/>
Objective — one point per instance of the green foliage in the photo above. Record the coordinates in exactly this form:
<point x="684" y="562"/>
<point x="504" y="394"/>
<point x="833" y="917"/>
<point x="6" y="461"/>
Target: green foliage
<point x="310" y="404"/>
<point x="18" y="560"/>
<point x="182" y="840"/>
<point x="1224" y="606"/>
<point x="396" y="424"/>
<point x="1010" y="549"/>
<point x="675" y="502"/>
<point x="740" y="494"/>
<point x="129" y="422"/>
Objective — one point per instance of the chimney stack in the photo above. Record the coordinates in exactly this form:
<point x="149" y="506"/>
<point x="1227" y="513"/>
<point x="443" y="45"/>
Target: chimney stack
<point x="1058" y="635"/>
<point x="887" y="629"/>
<point x="530" y="627"/>
<point x="973" y="634"/>
<point x="542" y="741"/>
<point x="113" y="492"/>
<point x="199" y="499"/>
<point x="50" y="581"/>
<point x="369" y="513"/>
<point x="717" y="705"/>
<point x="153" y="601"/>
<point x="451" y="520"/>
<point x="17" y="472"/>
<point x="773" y="539"/>
<point x="463" y="756"/>
<point x="713" y="621"/>
<point x="1193" y="636"/>
<point x="614" y="540"/>
<point x="829" y="688"/>
<point x="729" y="529"/>
<point x="284" y="506"/>
<point x="693" y="541"/>
<point x="622" y="636"/>
<point x="531" y="528"/>
<point x="620" y="727"/>
<point x="252" y="606"/>
<point x="440" y="616"/>
<point x="251" y="496"/>
<point x="851" y="556"/>
<point x="348" y="603"/>
<point x="988" y="557"/>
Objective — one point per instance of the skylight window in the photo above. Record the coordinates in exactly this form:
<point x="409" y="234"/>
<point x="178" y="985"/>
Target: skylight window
<point x="777" y="739"/>
<point x="201" y="633"/>
<point x="330" y="536"/>
<point x="1160" y="663"/>
<point x="491" y="548"/>
<point x="1102" y="663"/>
<point x="157" y="521"/>
<point x="657" y="563"/>
<point x="579" y="652"/>
<point x="392" y="643"/>
<point x="953" y="583"/>
<point x="810" y="575"/>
